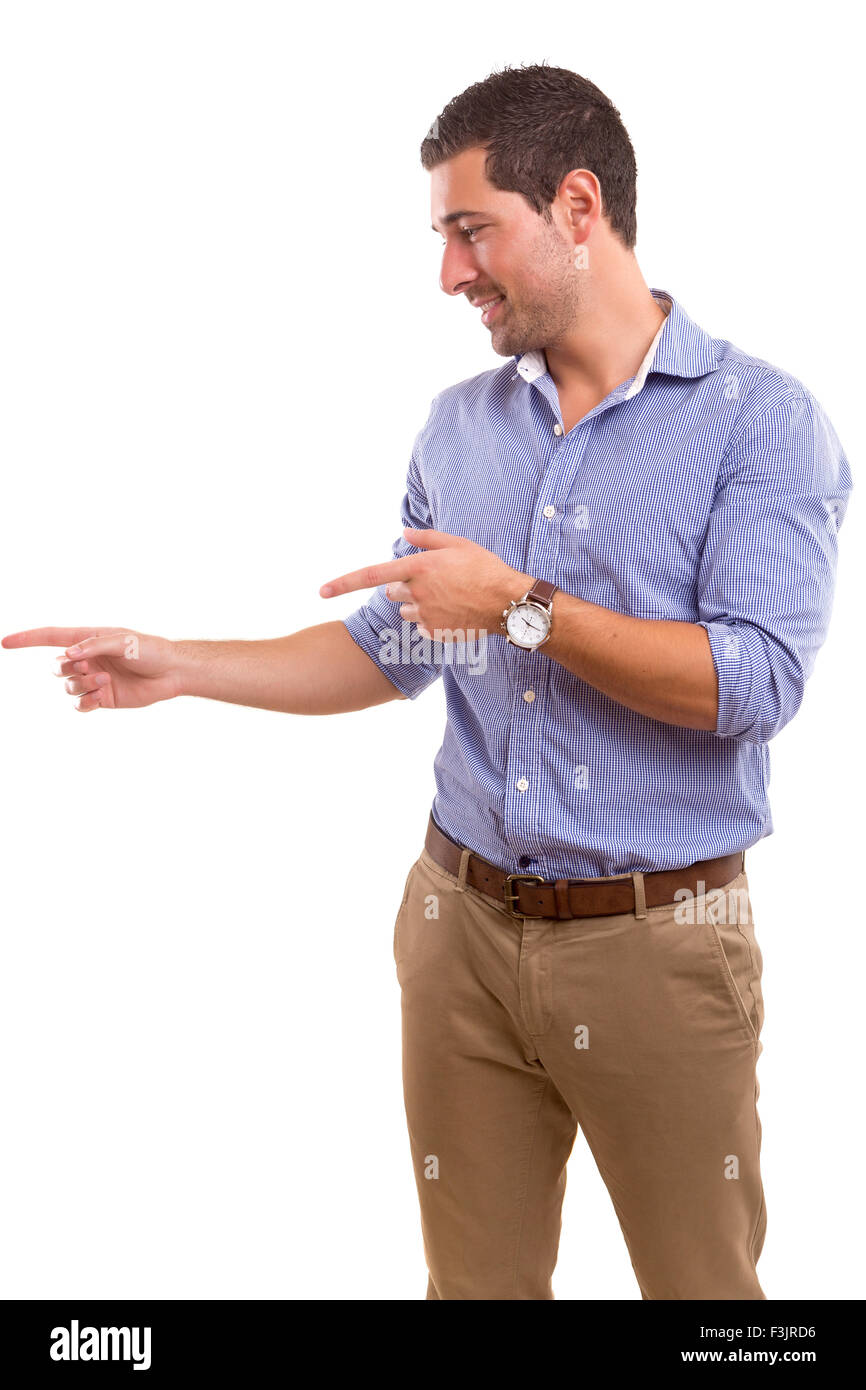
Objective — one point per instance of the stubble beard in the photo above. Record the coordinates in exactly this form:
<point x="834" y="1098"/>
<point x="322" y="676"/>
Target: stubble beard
<point x="548" y="310"/>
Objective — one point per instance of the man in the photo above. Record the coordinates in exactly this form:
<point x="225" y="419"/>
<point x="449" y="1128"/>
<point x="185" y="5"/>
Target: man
<point x="637" y="522"/>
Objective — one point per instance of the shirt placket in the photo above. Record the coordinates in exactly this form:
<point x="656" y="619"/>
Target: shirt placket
<point x="530" y="688"/>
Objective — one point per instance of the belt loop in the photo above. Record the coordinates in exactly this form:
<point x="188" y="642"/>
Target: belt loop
<point x="639" y="895"/>
<point x="561" y="894"/>
<point x="461" y="872"/>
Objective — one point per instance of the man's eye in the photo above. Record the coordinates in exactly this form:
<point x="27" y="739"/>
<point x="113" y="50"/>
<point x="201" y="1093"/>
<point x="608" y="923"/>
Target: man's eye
<point x="467" y="232"/>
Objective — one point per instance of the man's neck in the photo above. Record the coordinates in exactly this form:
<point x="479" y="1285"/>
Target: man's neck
<point x="617" y="327"/>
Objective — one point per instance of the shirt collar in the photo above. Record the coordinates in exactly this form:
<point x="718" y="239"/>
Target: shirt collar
<point x="680" y="348"/>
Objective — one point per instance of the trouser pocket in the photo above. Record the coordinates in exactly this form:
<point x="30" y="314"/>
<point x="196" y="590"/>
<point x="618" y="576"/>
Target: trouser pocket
<point x="401" y="910"/>
<point x="731" y="936"/>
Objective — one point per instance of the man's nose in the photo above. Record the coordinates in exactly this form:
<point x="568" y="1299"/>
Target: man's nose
<point x="458" y="270"/>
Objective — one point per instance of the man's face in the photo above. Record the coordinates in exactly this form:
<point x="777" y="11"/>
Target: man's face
<point x="498" y="246"/>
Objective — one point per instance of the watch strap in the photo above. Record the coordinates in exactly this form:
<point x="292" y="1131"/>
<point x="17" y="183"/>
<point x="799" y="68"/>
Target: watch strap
<point x="541" y="592"/>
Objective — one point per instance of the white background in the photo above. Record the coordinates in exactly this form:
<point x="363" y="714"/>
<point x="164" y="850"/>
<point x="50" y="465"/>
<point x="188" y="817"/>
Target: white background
<point x="221" y="331"/>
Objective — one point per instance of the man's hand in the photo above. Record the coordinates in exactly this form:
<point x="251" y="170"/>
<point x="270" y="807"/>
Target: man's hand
<point x="454" y="585"/>
<point x="108" y="667"/>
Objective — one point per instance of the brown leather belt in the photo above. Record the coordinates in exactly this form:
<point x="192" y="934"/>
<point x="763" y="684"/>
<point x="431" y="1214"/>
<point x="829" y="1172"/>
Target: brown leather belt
<point x="529" y="895"/>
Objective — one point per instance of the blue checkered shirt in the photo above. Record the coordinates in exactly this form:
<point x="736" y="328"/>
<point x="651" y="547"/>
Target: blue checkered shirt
<point x="707" y="489"/>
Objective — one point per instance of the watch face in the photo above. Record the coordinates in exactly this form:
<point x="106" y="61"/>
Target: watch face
<point x="527" y="625"/>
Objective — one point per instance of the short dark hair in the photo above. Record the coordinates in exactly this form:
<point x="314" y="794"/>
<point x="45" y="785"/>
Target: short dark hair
<point x="537" y="123"/>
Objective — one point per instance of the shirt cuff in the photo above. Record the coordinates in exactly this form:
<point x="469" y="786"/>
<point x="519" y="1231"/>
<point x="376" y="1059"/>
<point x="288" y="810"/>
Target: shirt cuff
<point x="409" y="678"/>
<point x="732" y="660"/>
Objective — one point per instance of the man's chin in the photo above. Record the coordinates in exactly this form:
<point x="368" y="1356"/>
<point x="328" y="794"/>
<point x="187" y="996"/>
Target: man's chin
<point x="505" y="344"/>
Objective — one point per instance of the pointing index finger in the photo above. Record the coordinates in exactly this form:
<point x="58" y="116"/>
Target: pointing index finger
<point x="46" y="637"/>
<point x="371" y="577"/>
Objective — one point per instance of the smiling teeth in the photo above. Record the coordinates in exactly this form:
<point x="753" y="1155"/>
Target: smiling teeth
<point x="487" y="303"/>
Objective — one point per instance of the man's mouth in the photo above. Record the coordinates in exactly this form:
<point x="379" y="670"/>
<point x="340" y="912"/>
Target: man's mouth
<point x="489" y="307"/>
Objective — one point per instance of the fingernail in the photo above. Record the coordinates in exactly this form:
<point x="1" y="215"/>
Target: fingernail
<point x="102" y="678"/>
<point x="73" y="651"/>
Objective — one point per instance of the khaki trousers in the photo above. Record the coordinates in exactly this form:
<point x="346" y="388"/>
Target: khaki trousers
<point x="641" y="1029"/>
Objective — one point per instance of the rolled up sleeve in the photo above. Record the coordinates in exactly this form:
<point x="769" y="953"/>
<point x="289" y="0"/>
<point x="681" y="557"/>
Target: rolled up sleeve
<point x="393" y="643"/>
<point x="768" y="565"/>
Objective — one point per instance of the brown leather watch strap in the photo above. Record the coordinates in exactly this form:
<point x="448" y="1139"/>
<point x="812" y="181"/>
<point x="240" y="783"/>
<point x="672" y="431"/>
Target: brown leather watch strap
<point x="542" y="592"/>
<point x="525" y="895"/>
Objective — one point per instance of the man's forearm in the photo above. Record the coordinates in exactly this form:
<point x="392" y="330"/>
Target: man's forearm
<point x="319" y="670"/>
<point x="659" y="668"/>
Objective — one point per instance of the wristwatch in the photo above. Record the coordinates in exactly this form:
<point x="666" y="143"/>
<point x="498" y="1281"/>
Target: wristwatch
<point x="527" y="621"/>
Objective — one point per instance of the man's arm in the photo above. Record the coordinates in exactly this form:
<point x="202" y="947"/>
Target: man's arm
<point x="764" y="589"/>
<point x="318" y="670"/>
<point x="659" y="668"/>
<point x="662" y="669"/>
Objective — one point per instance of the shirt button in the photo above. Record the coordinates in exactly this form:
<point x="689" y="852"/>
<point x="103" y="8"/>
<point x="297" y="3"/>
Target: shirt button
<point x="525" y="860"/>
<point x="522" y="784"/>
<point x="557" y="429"/>
<point x="549" y="511"/>
<point x="529" y="696"/>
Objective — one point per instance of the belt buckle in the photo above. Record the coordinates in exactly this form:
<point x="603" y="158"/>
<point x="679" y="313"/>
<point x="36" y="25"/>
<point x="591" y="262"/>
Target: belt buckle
<point x="511" y="897"/>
